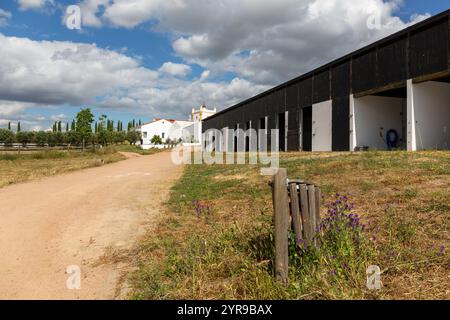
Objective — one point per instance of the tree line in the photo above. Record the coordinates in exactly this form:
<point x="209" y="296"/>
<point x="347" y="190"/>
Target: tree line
<point x="82" y="131"/>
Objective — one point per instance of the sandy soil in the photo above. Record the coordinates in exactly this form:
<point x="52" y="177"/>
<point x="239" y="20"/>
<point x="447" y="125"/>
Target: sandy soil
<point x="75" y="219"/>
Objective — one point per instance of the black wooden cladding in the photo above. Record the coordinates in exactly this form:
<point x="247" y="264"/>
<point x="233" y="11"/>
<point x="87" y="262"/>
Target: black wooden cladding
<point x="294" y="118"/>
<point x="392" y="62"/>
<point x="340" y="80"/>
<point x="321" y="87"/>
<point x="423" y="49"/>
<point x="341" y="124"/>
<point x="292" y="96"/>
<point x="428" y="49"/>
<point x="307" y="129"/>
<point x="305" y="97"/>
<point x="364" y="71"/>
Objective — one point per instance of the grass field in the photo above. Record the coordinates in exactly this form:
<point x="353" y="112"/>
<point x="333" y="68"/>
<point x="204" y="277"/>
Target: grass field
<point x="30" y="165"/>
<point x="215" y="240"/>
<point x="15" y="168"/>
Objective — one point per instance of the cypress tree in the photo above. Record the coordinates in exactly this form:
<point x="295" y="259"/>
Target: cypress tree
<point x="9" y="126"/>
<point x="18" y="127"/>
<point x="59" y="126"/>
<point x="67" y="127"/>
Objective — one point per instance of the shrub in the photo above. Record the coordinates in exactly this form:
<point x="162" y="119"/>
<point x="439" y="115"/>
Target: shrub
<point x="156" y="140"/>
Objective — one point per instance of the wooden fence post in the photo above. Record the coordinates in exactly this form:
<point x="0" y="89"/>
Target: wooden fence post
<point x="306" y="218"/>
<point x="281" y="212"/>
<point x="318" y="195"/>
<point x="295" y="212"/>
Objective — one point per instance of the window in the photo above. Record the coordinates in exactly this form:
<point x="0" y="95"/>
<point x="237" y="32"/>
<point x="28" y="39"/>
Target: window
<point x="144" y="134"/>
<point x="162" y="135"/>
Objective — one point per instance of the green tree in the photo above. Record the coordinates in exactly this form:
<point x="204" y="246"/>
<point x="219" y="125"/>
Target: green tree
<point x="119" y="137"/>
<point x="18" y="126"/>
<point x="133" y="136"/>
<point x="85" y="118"/>
<point x="156" y="140"/>
<point x="51" y="139"/>
<point x="24" y="138"/>
<point x="104" y="137"/>
<point x="72" y="138"/>
<point x="59" y="126"/>
<point x="59" y="138"/>
<point x="40" y="138"/>
<point x="73" y="125"/>
<point x="7" y="137"/>
<point x="9" y="126"/>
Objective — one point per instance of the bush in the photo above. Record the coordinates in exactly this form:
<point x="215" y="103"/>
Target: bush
<point x="156" y="140"/>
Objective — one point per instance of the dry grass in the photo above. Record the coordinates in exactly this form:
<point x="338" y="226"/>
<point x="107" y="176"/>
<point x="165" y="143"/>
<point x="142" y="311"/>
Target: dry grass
<point x="222" y="248"/>
<point x="16" y="168"/>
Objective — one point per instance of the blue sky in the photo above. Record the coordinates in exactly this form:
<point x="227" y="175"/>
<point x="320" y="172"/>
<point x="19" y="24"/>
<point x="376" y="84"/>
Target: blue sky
<point x="162" y="58"/>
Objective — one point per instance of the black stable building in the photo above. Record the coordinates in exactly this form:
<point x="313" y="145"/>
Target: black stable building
<point x="394" y="93"/>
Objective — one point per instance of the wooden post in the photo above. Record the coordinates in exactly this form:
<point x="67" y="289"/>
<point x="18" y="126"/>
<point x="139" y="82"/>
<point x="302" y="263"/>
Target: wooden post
<point x="312" y="206"/>
<point x="295" y="210"/>
<point x="281" y="212"/>
<point x="312" y="210"/>
<point x="318" y="195"/>
<point x="306" y="220"/>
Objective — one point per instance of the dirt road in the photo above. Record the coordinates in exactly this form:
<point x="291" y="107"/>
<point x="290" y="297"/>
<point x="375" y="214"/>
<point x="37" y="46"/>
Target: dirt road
<point x="74" y="219"/>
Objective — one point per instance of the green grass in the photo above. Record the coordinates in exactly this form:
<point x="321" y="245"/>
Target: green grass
<point x="136" y="149"/>
<point x="215" y="241"/>
<point x="16" y="168"/>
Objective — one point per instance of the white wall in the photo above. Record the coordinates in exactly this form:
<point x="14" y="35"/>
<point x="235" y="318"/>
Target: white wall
<point x="155" y="128"/>
<point x="371" y="113"/>
<point x="428" y="115"/>
<point x="322" y="126"/>
<point x="180" y="130"/>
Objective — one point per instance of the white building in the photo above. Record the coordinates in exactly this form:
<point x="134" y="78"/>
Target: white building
<point x="175" y="130"/>
<point x="166" y="129"/>
<point x="202" y="113"/>
<point x="197" y="117"/>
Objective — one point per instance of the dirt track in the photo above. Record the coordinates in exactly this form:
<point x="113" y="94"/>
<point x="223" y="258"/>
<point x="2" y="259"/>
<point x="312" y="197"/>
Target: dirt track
<point x="74" y="219"/>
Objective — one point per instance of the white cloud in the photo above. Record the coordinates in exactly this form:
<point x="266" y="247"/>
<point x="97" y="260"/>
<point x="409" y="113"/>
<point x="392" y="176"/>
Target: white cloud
<point x="89" y="11"/>
<point x="4" y="17"/>
<point x="33" y="4"/>
<point x="59" y="117"/>
<point x="262" y="40"/>
<point x="175" y="69"/>
<point x="56" y="73"/>
<point x="12" y="109"/>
